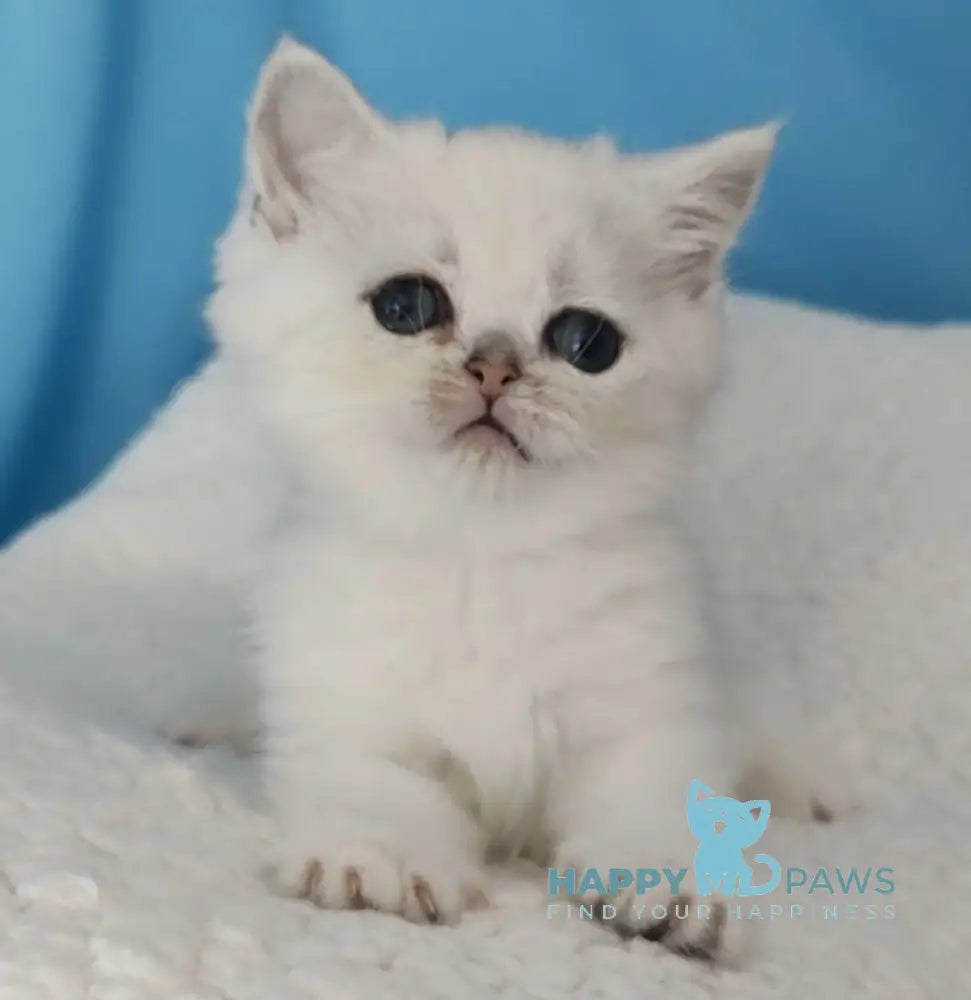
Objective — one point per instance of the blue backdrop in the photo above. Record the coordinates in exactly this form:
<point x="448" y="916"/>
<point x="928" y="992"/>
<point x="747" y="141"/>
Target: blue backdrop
<point x="121" y="127"/>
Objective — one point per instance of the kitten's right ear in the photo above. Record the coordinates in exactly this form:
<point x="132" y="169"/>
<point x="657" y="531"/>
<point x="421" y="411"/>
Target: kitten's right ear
<point x="706" y="191"/>
<point x="698" y="790"/>
<point x="304" y="109"/>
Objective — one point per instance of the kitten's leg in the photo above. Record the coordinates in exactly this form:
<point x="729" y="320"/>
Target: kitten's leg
<point x="363" y="832"/>
<point x="624" y="807"/>
<point x="792" y="755"/>
<point x="797" y="770"/>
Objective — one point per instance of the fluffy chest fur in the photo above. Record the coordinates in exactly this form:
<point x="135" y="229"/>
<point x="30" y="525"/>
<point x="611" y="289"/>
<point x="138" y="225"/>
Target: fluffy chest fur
<point x="500" y="670"/>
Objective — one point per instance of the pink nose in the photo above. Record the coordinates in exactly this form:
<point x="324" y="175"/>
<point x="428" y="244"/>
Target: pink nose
<point x="492" y="374"/>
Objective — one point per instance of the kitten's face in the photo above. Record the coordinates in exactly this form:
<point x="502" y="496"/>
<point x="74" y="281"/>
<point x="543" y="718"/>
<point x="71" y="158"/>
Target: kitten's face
<point x="478" y="311"/>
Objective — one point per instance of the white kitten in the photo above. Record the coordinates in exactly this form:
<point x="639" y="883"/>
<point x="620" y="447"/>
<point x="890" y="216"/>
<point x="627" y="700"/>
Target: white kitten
<point x="482" y="351"/>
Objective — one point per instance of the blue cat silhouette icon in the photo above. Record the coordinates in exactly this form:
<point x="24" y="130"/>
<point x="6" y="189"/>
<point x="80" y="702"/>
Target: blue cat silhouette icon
<point x="724" y="827"/>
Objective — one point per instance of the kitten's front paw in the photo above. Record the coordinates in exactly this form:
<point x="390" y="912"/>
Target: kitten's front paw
<point x="692" y="926"/>
<point x="696" y="927"/>
<point x="368" y="877"/>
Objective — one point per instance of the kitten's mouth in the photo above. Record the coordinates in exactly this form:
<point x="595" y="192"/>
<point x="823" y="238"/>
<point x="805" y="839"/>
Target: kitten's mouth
<point x="486" y="427"/>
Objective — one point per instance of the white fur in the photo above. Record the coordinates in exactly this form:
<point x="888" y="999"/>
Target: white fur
<point x="463" y="650"/>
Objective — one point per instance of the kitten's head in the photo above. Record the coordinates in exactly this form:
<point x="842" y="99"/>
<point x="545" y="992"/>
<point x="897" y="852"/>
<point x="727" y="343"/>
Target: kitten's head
<point x="720" y="819"/>
<point x="487" y="321"/>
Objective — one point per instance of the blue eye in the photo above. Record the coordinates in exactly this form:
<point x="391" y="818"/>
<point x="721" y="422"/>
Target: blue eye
<point x="408" y="304"/>
<point x="586" y="340"/>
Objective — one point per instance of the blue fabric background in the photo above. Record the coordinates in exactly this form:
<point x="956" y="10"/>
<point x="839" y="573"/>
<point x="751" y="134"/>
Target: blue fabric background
<point x="121" y="128"/>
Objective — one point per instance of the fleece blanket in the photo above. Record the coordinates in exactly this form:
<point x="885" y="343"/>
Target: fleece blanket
<point x="831" y="499"/>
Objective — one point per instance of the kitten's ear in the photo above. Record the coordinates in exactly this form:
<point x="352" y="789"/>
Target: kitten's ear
<point x="304" y="108"/>
<point x="709" y="191"/>
<point x="698" y="790"/>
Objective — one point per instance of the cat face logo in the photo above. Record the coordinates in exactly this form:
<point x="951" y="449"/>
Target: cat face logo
<point x="724" y="826"/>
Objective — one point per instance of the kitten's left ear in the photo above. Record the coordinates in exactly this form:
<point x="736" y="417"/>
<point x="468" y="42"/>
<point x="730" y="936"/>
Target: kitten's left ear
<point x="304" y="110"/>
<point x="707" y="192"/>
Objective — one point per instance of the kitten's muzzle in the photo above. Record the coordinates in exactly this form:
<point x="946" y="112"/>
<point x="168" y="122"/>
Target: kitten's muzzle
<point x="494" y="364"/>
<point x="489" y="421"/>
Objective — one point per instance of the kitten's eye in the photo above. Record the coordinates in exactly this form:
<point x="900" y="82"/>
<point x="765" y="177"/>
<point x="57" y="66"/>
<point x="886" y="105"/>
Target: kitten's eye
<point x="588" y="341"/>
<point x="410" y="303"/>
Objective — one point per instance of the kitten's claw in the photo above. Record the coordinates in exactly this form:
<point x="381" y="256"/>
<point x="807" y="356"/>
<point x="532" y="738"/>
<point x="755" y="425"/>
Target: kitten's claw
<point x="698" y="932"/>
<point x="352" y="889"/>
<point x="425" y="898"/>
<point x="660" y="929"/>
<point x="313" y="875"/>
<point x="369" y="878"/>
<point x="820" y="812"/>
<point x="709" y="943"/>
